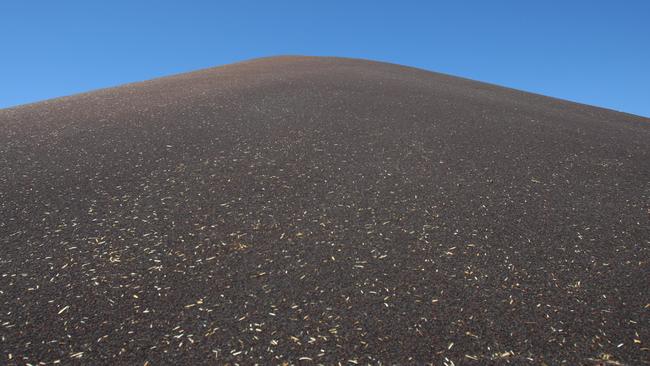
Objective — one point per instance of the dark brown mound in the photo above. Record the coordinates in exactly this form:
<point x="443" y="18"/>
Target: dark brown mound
<point x="322" y="210"/>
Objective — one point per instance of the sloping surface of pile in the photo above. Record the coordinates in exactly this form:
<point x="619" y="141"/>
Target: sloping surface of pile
<point x="322" y="210"/>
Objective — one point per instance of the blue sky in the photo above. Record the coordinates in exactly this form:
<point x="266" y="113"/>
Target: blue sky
<point x="594" y="52"/>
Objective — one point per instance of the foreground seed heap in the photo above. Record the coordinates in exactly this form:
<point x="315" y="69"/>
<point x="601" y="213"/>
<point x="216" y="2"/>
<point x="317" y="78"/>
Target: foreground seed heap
<point x="322" y="211"/>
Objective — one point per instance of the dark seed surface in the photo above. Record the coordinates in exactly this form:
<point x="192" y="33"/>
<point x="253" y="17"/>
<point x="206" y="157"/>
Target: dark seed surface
<point x="323" y="211"/>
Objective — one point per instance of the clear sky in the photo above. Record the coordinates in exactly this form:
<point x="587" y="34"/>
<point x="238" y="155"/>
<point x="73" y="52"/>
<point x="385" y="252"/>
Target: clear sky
<point x="595" y="52"/>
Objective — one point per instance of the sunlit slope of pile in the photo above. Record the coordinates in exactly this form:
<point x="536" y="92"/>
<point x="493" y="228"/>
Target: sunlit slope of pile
<point x="322" y="210"/>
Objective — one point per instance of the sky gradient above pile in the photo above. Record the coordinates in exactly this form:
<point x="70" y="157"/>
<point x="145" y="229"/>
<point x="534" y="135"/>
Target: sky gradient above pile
<point x="593" y="52"/>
